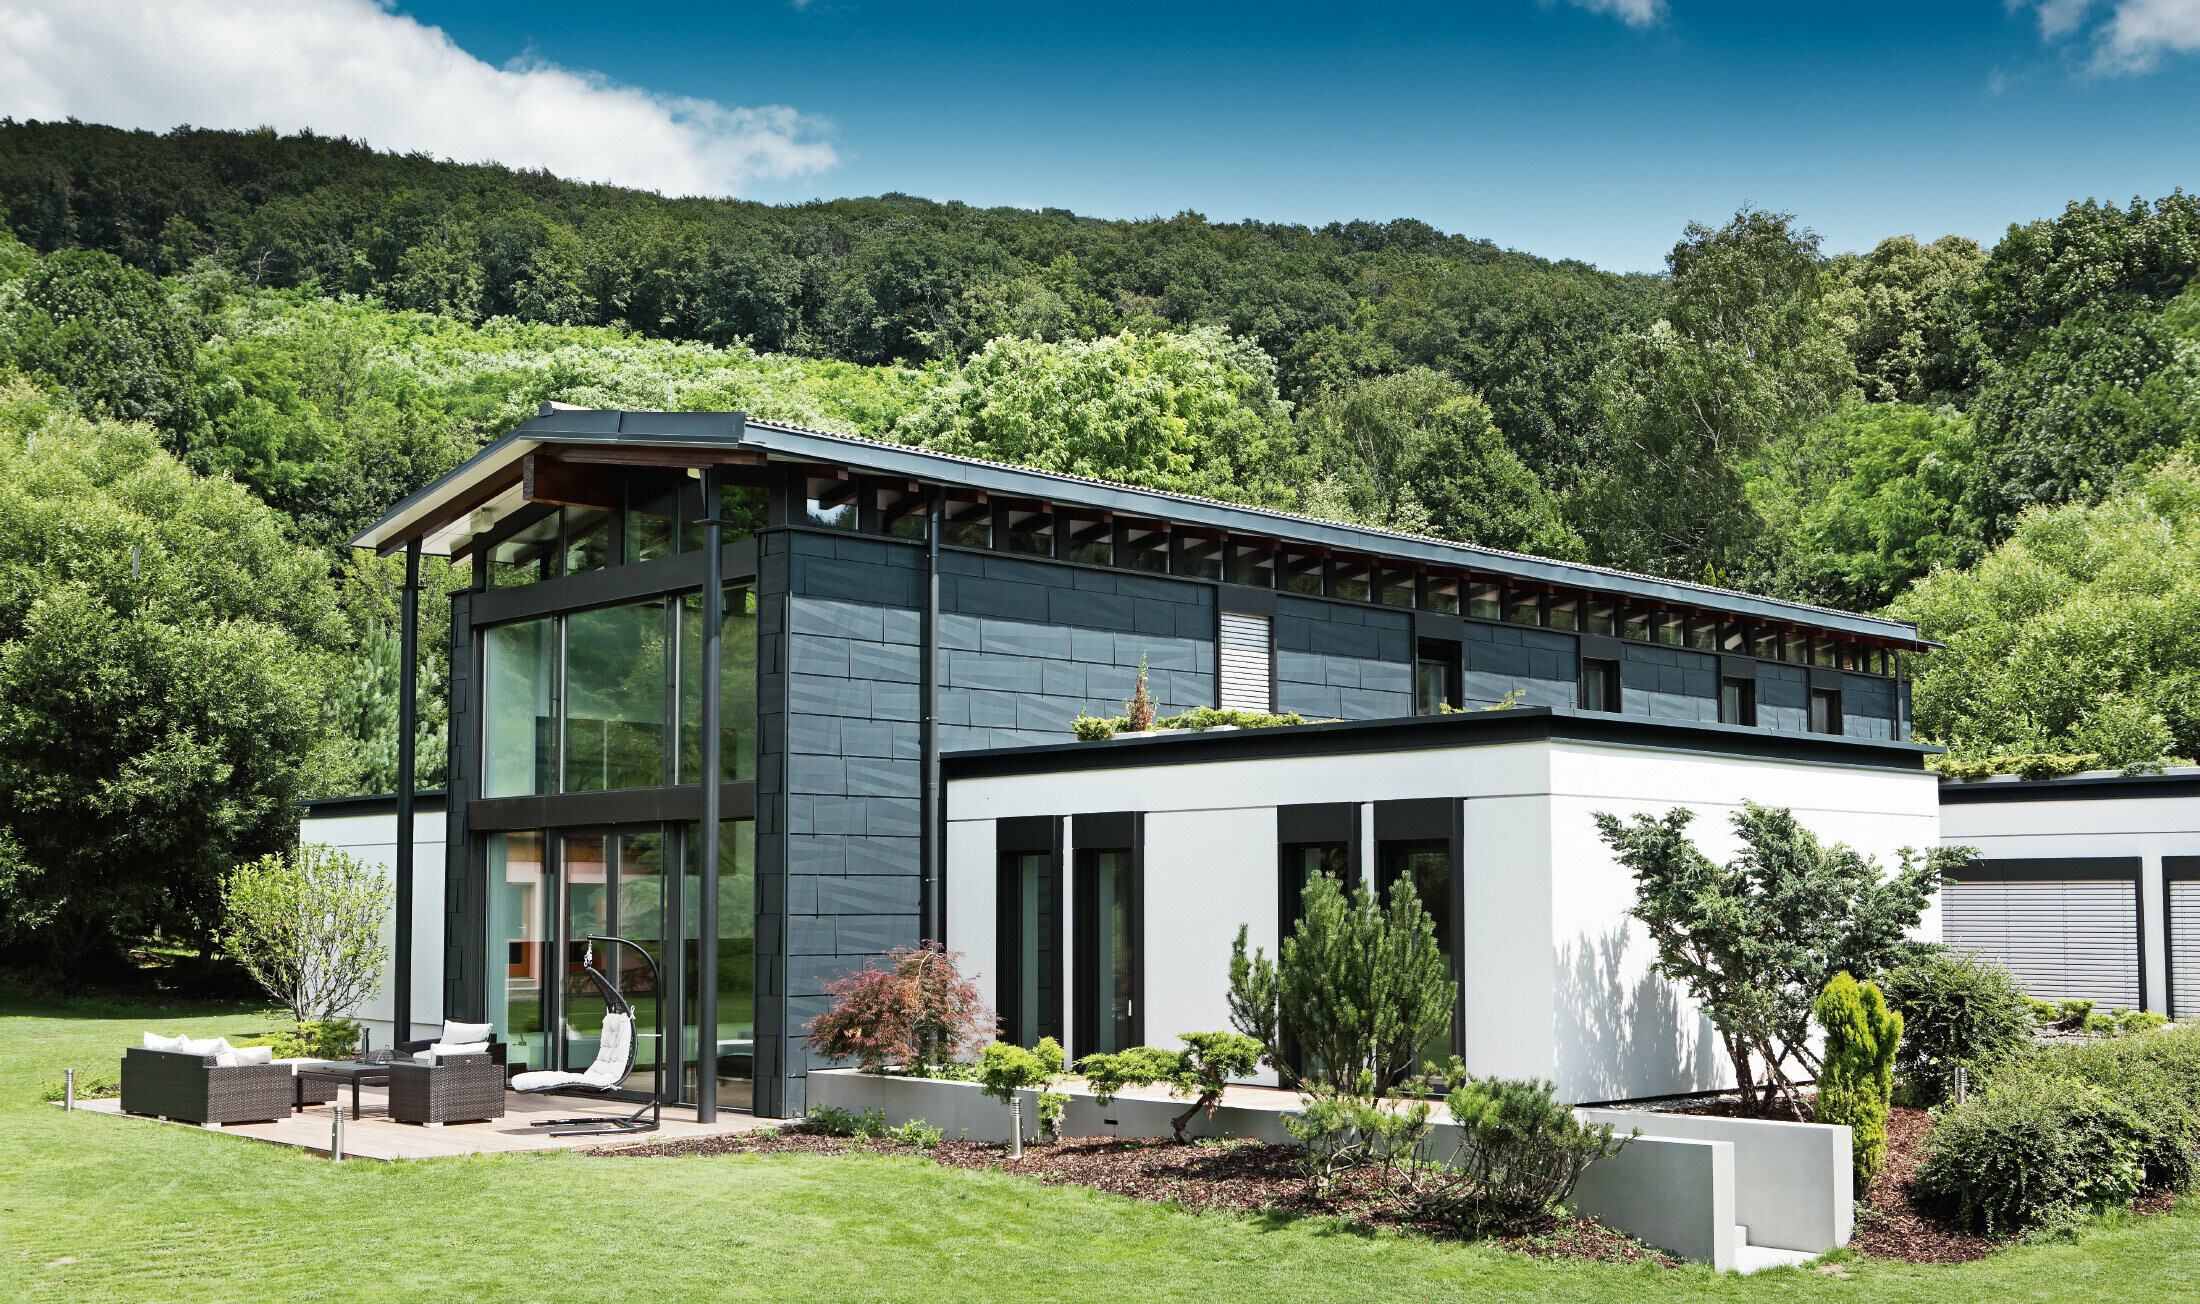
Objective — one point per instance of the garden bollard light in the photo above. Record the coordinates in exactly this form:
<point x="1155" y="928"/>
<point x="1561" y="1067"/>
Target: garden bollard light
<point x="336" y="1131"/>
<point x="68" y="1090"/>
<point x="1015" y="1126"/>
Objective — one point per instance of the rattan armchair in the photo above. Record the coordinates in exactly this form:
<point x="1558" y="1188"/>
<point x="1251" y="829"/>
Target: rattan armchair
<point x="455" y="1089"/>
<point x="194" y="1089"/>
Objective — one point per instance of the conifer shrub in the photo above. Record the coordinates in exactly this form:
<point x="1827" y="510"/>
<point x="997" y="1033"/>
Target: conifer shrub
<point x="1856" y="1086"/>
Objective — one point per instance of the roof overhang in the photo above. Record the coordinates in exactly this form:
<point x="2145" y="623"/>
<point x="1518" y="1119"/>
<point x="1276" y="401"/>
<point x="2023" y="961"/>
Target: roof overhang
<point x="448" y="513"/>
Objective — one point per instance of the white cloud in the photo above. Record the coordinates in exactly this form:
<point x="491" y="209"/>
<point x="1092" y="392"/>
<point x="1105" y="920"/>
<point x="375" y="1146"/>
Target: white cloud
<point x="2140" y="32"/>
<point x="1634" y="13"/>
<point x="355" y="68"/>
<point x="2132" y="38"/>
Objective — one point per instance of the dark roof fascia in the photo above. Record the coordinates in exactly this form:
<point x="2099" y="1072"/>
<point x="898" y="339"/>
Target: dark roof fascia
<point x="693" y="429"/>
<point x="917" y="463"/>
<point x="1429" y="733"/>
<point x="2113" y="787"/>
<point x="381" y="803"/>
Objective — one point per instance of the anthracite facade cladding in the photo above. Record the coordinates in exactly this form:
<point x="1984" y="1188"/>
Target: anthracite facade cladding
<point x="1022" y="645"/>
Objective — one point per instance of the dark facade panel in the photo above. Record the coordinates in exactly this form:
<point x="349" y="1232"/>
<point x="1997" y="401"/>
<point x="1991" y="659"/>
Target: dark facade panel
<point x="1335" y="821"/>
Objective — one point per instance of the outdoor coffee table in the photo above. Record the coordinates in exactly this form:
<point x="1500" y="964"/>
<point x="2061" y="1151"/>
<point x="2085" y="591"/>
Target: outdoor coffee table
<point x="353" y="1071"/>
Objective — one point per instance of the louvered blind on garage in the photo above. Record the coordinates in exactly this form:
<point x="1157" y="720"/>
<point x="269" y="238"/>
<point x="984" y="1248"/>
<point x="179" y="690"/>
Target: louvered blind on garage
<point x="2184" y="949"/>
<point x="2067" y="940"/>
<point x="1245" y="663"/>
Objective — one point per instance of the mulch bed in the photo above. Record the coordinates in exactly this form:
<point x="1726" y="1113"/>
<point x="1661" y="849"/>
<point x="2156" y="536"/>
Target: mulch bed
<point x="1240" y="1177"/>
<point x="1890" y="1223"/>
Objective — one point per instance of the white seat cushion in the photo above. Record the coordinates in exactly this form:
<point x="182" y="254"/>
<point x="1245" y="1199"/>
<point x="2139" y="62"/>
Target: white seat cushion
<point x="460" y="1034"/>
<point x="614" y="1056"/>
<point x="254" y="1054"/>
<point x="544" y="1079"/>
<point x="439" y="1049"/>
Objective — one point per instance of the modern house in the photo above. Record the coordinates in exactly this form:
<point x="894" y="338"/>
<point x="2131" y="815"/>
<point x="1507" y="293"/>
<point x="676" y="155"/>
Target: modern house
<point x="2085" y="887"/>
<point x="774" y="700"/>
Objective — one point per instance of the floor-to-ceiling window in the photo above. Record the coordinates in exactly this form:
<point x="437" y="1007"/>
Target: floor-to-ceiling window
<point x="1427" y="866"/>
<point x="519" y="955"/>
<point x="730" y="1049"/>
<point x="1108" y="927"/>
<point x="615" y="668"/>
<point x="520" y="666"/>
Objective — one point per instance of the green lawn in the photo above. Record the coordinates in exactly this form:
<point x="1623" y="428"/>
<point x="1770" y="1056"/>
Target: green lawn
<point x="95" y="1208"/>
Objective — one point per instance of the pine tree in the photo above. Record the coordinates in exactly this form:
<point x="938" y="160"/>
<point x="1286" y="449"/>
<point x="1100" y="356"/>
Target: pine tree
<point x="1856" y="1086"/>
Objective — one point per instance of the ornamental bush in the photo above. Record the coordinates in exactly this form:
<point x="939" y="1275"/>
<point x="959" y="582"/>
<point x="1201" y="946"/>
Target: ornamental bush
<point x="1005" y="1069"/>
<point x="2031" y="1149"/>
<point x="916" y="1012"/>
<point x="2154" y="1074"/>
<point x="1520" y="1153"/>
<point x="1856" y="1086"/>
<point x="1958" y="1012"/>
<point x="1202" y="1070"/>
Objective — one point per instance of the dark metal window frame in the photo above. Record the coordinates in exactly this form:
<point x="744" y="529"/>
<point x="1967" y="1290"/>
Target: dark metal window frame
<point x="1090" y="835"/>
<point x="1015" y="839"/>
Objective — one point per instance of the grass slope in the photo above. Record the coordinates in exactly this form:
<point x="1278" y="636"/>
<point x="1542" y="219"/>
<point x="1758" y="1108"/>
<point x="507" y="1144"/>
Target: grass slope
<point x="96" y="1208"/>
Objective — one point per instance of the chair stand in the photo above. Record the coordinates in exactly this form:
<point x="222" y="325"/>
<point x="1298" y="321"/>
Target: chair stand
<point x="634" y="1122"/>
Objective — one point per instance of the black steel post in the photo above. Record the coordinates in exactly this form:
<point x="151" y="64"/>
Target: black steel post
<point x="706" y="909"/>
<point x="932" y="921"/>
<point x="408" y="716"/>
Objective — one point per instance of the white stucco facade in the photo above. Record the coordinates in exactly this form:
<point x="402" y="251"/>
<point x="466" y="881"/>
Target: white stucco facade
<point x="2151" y="819"/>
<point x="1555" y="976"/>
<point x="368" y="829"/>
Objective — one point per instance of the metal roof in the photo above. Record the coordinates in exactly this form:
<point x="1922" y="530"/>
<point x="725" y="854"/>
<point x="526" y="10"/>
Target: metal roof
<point x="732" y="430"/>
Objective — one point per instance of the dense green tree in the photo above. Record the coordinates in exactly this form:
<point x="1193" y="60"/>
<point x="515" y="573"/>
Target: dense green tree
<point x="2076" y="636"/>
<point x="1194" y="413"/>
<point x="1908" y="305"/>
<point x="164" y="651"/>
<point x="1864" y="501"/>
<point x="2097" y="393"/>
<point x="1746" y="348"/>
<point x="1418" y="451"/>
<point x="105" y="333"/>
<point x="2093" y="257"/>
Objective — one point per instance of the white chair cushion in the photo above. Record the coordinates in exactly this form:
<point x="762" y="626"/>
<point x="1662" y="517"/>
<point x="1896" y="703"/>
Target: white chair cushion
<point x="439" y="1049"/>
<point x="226" y="1059"/>
<point x="154" y="1041"/>
<point x="612" y="1053"/>
<point x="209" y="1046"/>
<point x="542" y="1079"/>
<point x="460" y="1034"/>
<point x="253" y="1054"/>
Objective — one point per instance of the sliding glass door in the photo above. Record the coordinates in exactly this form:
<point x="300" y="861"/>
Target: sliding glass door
<point x="550" y="891"/>
<point x="1108" y="927"/>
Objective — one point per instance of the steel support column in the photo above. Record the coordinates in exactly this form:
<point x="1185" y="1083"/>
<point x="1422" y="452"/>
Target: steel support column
<point x="408" y="715"/>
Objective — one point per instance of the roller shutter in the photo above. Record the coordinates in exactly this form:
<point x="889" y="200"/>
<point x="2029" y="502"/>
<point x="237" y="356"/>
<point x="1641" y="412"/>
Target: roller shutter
<point x="2064" y="939"/>
<point x="2184" y="948"/>
<point x="1245" y="661"/>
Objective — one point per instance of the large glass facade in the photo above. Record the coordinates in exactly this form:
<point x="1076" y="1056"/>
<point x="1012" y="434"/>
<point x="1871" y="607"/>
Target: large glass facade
<point x="615" y="668"/>
<point x="520" y="664"/>
<point x="519" y="955"/>
<point x="731" y="1048"/>
<point x="736" y="692"/>
<point x="549" y="891"/>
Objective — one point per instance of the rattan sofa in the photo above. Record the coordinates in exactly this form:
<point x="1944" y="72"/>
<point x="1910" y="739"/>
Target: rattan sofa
<point x="195" y="1089"/>
<point x="455" y="1089"/>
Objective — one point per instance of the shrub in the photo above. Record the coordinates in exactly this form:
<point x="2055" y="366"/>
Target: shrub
<point x="916" y="1133"/>
<point x="1520" y="1153"/>
<point x="832" y="1120"/>
<point x="1339" y="1129"/>
<point x="308" y="927"/>
<point x="2155" y="1075"/>
<point x="1958" y="1011"/>
<point x="1856" y="1087"/>
<point x="919" y="1011"/>
<point x="329" y="1039"/>
<point x="1202" y="1070"/>
<point x="1361" y="986"/>
<point x="91" y="1084"/>
<point x="2141" y="1021"/>
<point x="1004" y="1069"/>
<point x="1093" y="729"/>
<point x="2030" y="1149"/>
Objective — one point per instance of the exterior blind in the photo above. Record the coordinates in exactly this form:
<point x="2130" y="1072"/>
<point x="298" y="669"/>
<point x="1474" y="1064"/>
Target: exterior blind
<point x="2063" y="940"/>
<point x="2184" y="948"/>
<point x="1245" y="660"/>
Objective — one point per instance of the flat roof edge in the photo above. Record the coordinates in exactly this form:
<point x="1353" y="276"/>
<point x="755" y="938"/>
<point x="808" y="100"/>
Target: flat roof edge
<point x="1429" y="733"/>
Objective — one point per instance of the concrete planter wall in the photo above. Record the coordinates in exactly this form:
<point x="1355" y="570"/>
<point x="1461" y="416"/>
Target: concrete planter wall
<point x="1687" y="1185"/>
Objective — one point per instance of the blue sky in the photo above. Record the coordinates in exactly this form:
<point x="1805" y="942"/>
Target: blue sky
<point x="1574" y="128"/>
